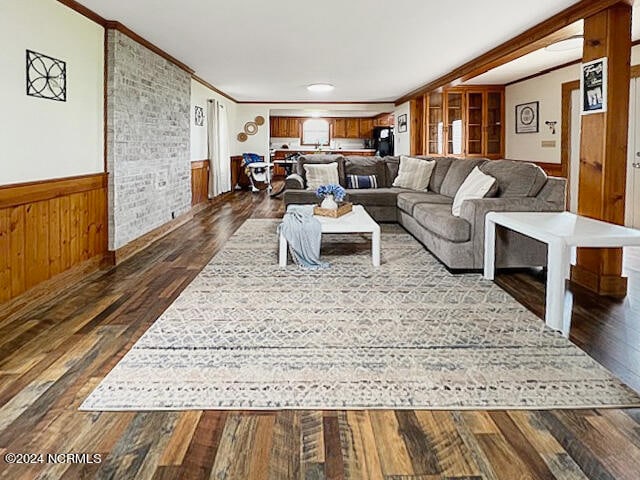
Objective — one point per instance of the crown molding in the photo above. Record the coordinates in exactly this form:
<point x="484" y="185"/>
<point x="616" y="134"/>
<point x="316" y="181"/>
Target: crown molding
<point x="116" y="25"/>
<point x="284" y="102"/>
<point x="211" y="87"/>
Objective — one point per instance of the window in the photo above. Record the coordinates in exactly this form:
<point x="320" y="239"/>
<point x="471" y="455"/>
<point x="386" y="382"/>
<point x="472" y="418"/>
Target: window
<point x="315" y="131"/>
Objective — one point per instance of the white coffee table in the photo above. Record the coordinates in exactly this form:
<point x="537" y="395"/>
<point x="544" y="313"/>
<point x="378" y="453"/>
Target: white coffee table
<point x="561" y="231"/>
<point x="356" y="221"/>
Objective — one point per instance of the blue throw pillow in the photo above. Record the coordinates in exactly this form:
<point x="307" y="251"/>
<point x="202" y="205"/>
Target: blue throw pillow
<point x="362" y="181"/>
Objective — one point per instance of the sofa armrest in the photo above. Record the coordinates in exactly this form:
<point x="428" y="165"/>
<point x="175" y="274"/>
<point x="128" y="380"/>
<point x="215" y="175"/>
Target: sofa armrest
<point x="294" y="182"/>
<point x="475" y="211"/>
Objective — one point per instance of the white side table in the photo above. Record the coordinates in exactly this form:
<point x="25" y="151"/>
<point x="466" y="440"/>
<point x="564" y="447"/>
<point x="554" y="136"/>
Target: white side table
<point x="356" y="221"/>
<point x="561" y="231"/>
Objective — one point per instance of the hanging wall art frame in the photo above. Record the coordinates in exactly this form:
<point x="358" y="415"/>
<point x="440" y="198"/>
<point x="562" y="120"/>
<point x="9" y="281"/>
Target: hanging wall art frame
<point x="593" y="86"/>
<point x="46" y="76"/>
<point x="527" y="117"/>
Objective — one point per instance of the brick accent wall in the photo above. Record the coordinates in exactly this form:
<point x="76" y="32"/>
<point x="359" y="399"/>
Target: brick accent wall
<point x="148" y="145"/>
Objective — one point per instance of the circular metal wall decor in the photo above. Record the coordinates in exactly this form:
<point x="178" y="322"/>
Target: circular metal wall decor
<point x="242" y="137"/>
<point x="250" y="128"/>
<point x="46" y="77"/>
<point x="259" y="120"/>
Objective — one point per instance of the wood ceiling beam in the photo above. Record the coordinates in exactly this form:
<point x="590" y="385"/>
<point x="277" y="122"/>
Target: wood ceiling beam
<point x="551" y="30"/>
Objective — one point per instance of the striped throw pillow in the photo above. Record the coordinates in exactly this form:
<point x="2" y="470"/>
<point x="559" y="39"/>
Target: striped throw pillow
<point x="362" y="181"/>
<point x="414" y="173"/>
<point x="321" y="174"/>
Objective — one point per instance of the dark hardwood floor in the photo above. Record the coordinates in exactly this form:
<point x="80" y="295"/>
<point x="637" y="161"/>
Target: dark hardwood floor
<point x="54" y="355"/>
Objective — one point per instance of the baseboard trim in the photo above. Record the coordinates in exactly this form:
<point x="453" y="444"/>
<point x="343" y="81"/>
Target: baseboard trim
<point x="51" y="288"/>
<point x="125" y="252"/>
<point x="606" y="285"/>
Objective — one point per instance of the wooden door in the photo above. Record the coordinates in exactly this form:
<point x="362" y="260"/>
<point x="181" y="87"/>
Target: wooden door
<point x="475" y="123"/>
<point x="454" y="121"/>
<point x="366" y="128"/>
<point x="353" y="128"/>
<point x="632" y="214"/>
<point x="340" y="128"/>
<point x="494" y="124"/>
<point x="434" y="124"/>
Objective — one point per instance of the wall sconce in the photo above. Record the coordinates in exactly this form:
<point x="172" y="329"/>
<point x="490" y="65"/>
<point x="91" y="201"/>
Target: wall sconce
<point x="552" y="126"/>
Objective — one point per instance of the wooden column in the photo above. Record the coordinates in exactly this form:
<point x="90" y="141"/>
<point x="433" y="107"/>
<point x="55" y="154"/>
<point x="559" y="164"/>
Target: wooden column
<point x="603" y="149"/>
<point x="416" y="107"/>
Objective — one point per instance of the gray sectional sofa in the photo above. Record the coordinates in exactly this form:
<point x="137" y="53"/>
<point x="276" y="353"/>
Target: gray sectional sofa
<point x="457" y="241"/>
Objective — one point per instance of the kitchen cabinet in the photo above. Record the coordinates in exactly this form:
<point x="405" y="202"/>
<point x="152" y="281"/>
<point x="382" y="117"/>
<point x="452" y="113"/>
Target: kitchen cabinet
<point x="339" y="128"/>
<point x="465" y="121"/>
<point x="284" y="127"/>
<point x="384" y="120"/>
<point x="293" y="127"/>
<point x="274" y="126"/>
<point x="366" y="128"/>
<point x="353" y="128"/>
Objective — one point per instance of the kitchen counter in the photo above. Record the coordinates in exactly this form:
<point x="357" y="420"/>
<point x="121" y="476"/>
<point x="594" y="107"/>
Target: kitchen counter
<point x="327" y="150"/>
<point x="281" y="153"/>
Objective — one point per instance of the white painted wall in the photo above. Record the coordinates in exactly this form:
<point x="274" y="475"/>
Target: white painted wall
<point x="258" y="143"/>
<point x="402" y="141"/>
<point x="39" y="138"/>
<point x="200" y="94"/>
<point x="547" y="90"/>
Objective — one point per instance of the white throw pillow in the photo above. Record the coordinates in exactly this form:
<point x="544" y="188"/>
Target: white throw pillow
<point x="414" y="173"/>
<point x="321" y="174"/>
<point x="476" y="185"/>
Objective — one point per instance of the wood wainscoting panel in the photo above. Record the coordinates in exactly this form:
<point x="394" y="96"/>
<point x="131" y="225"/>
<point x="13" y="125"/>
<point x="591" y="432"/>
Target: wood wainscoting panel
<point x="49" y="227"/>
<point x="199" y="182"/>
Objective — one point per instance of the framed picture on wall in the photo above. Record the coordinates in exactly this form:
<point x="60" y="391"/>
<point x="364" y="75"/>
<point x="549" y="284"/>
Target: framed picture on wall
<point x="527" y="117"/>
<point x="402" y="123"/>
<point x="593" y="86"/>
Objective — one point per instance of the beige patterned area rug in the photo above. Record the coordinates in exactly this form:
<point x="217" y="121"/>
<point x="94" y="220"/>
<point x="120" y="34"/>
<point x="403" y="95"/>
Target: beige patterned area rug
<point x="246" y="334"/>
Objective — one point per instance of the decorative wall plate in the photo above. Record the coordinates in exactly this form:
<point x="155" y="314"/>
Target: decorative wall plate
<point x="46" y="77"/>
<point x="250" y="128"/>
<point x="242" y="137"/>
<point x="259" y="120"/>
<point x="199" y="116"/>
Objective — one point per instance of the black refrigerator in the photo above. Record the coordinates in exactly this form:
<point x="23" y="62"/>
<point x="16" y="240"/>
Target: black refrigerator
<point x="383" y="140"/>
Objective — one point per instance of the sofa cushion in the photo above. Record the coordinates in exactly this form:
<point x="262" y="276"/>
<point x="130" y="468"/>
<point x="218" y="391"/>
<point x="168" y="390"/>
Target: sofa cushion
<point x="408" y="200"/>
<point x="392" y="165"/>
<point x="321" y="158"/>
<point x="318" y="174"/>
<point x="381" y="197"/>
<point x="439" y="172"/>
<point x="414" y="173"/>
<point x="360" y="165"/>
<point x="476" y="185"/>
<point x="438" y="219"/>
<point x="516" y="178"/>
<point x="459" y="170"/>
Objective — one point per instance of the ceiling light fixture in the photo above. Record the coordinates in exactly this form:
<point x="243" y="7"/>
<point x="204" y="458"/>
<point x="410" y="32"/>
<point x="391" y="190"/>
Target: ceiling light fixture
<point x="571" y="43"/>
<point x="320" y="87"/>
